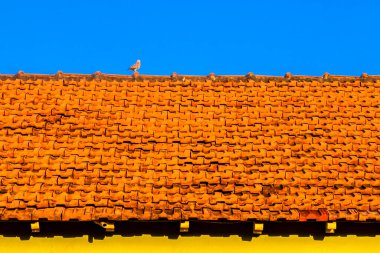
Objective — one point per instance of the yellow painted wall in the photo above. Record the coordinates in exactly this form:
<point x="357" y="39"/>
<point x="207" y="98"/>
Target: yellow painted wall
<point x="231" y="244"/>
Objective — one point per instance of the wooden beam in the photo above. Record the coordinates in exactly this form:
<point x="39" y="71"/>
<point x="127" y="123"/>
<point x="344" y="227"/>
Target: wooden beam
<point x="107" y="226"/>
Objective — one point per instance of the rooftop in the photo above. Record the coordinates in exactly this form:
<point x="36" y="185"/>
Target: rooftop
<point x="238" y="148"/>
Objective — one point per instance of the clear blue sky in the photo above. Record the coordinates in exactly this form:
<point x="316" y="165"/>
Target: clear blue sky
<point x="191" y="36"/>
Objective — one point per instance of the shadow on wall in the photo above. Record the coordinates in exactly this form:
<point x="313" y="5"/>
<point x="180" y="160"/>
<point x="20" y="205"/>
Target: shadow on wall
<point x="197" y="228"/>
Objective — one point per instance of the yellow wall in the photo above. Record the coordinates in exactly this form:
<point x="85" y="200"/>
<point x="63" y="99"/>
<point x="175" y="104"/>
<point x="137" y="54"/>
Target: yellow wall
<point x="232" y="244"/>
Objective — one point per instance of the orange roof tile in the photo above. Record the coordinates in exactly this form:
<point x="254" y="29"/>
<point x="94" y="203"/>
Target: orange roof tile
<point x="90" y="147"/>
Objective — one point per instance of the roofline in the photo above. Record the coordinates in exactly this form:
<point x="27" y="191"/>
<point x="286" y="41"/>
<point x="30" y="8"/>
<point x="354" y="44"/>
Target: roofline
<point x="174" y="76"/>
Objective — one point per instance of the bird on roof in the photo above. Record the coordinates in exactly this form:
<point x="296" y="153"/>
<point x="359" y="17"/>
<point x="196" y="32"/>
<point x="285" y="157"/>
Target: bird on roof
<point x="135" y="66"/>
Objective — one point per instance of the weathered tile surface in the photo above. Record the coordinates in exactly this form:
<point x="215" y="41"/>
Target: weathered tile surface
<point x="90" y="147"/>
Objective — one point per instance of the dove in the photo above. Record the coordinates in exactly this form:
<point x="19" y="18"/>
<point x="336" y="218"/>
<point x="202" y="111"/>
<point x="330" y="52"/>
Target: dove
<point x="135" y="66"/>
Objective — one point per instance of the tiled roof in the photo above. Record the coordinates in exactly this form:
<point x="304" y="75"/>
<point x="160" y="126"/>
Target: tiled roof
<point x="92" y="147"/>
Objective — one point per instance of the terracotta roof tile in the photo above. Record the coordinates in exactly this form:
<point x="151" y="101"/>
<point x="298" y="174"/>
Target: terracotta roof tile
<point x="90" y="147"/>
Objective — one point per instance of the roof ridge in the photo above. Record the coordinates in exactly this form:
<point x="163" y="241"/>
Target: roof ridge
<point x="175" y="76"/>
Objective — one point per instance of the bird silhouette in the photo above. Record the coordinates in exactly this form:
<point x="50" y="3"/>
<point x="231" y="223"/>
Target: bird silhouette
<point x="135" y="66"/>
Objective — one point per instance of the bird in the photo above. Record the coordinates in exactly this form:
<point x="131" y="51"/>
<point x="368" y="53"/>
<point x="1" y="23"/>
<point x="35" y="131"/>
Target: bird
<point x="135" y="66"/>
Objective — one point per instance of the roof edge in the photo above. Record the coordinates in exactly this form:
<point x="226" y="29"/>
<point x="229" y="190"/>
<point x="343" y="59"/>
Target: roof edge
<point x="182" y="77"/>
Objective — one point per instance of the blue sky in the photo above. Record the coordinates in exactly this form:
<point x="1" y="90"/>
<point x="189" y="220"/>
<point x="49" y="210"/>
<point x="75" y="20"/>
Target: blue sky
<point x="191" y="36"/>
